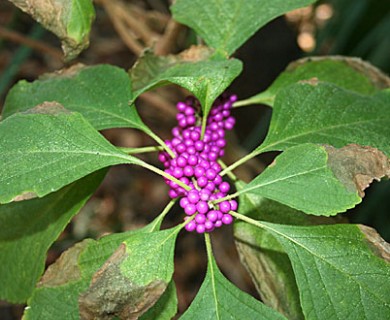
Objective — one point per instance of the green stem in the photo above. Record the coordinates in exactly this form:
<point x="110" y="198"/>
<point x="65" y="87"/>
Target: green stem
<point x="230" y="174"/>
<point x="161" y="143"/>
<point x="228" y="197"/>
<point x="164" y="174"/>
<point x="240" y="162"/>
<point x="182" y="225"/>
<point x="261" y="98"/>
<point x="208" y="246"/>
<point x="140" y="150"/>
<point x="204" y="122"/>
<point x="163" y="213"/>
<point x="247" y="219"/>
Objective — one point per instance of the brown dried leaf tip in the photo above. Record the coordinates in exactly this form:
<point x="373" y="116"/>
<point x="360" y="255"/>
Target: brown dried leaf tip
<point x="112" y="294"/>
<point x="312" y="81"/>
<point x="357" y="166"/>
<point x="66" y="268"/>
<point x="379" y="246"/>
<point x="52" y="108"/>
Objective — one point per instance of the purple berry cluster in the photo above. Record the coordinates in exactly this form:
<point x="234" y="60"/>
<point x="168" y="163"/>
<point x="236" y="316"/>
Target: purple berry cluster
<point x="195" y="163"/>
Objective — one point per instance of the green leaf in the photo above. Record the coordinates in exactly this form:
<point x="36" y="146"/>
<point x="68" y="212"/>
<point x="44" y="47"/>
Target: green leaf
<point x="263" y="256"/>
<point x="326" y="114"/>
<point x="69" y="20"/>
<point x="49" y="147"/>
<point x="219" y="299"/>
<point x="302" y="178"/>
<point x="133" y="278"/>
<point x="27" y="230"/>
<point x="345" y="72"/>
<point x="227" y="24"/>
<point x="100" y="93"/>
<point x="204" y="76"/>
<point x="337" y="274"/>
<point x="59" y="289"/>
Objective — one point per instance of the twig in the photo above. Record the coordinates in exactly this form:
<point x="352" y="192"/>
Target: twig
<point x="166" y="42"/>
<point x="126" y="35"/>
<point x="34" y="44"/>
<point x="140" y="28"/>
<point x="159" y="102"/>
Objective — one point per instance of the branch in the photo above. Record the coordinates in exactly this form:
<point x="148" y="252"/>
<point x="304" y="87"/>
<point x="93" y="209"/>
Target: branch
<point x="126" y="35"/>
<point x="167" y="41"/>
<point x="34" y="44"/>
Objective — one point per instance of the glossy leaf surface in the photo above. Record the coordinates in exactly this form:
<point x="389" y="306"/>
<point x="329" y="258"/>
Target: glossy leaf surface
<point x="348" y="73"/>
<point x="100" y="93"/>
<point x="326" y="114"/>
<point x="49" y="147"/>
<point x="302" y="178"/>
<point x="219" y="299"/>
<point x="206" y="77"/>
<point x="337" y="274"/>
<point x="227" y="24"/>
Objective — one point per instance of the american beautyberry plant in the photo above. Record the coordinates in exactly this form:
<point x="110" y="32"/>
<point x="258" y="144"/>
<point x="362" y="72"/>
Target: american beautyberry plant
<point x="330" y="124"/>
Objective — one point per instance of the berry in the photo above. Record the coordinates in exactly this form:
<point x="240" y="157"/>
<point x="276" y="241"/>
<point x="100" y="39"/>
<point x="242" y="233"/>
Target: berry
<point x="190" y="209"/>
<point x="193" y="196"/>
<point x="224" y="206"/>
<point x="200" y="218"/>
<point x="190" y="226"/>
<point x="200" y="228"/>
<point x="202" y="207"/>
<point x="227" y="219"/>
<point x="195" y="163"/>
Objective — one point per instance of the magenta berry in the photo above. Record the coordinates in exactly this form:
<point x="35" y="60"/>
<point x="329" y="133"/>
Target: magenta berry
<point x="193" y="196"/>
<point x="195" y="163"/>
<point x="224" y="206"/>
<point x="190" y="209"/>
<point x="202" y="207"/>
<point x="200" y="228"/>
<point x="227" y="219"/>
<point x="200" y="218"/>
<point x="190" y="226"/>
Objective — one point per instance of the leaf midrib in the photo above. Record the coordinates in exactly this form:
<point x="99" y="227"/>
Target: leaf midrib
<point x="282" y="179"/>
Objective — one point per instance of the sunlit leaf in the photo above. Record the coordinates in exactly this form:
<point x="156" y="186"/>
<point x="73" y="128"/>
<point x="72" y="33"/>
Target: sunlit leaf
<point x="204" y="75"/>
<point x="326" y="114"/>
<point x="302" y="178"/>
<point x="219" y="299"/>
<point x="100" y="93"/>
<point x="227" y="24"/>
<point x="345" y="72"/>
<point x="337" y="274"/>
<point x="49" y="147"/>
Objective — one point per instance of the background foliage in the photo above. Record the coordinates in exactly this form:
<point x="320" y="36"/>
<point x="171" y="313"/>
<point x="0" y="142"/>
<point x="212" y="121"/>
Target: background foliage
<point x="205" y="73"/>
